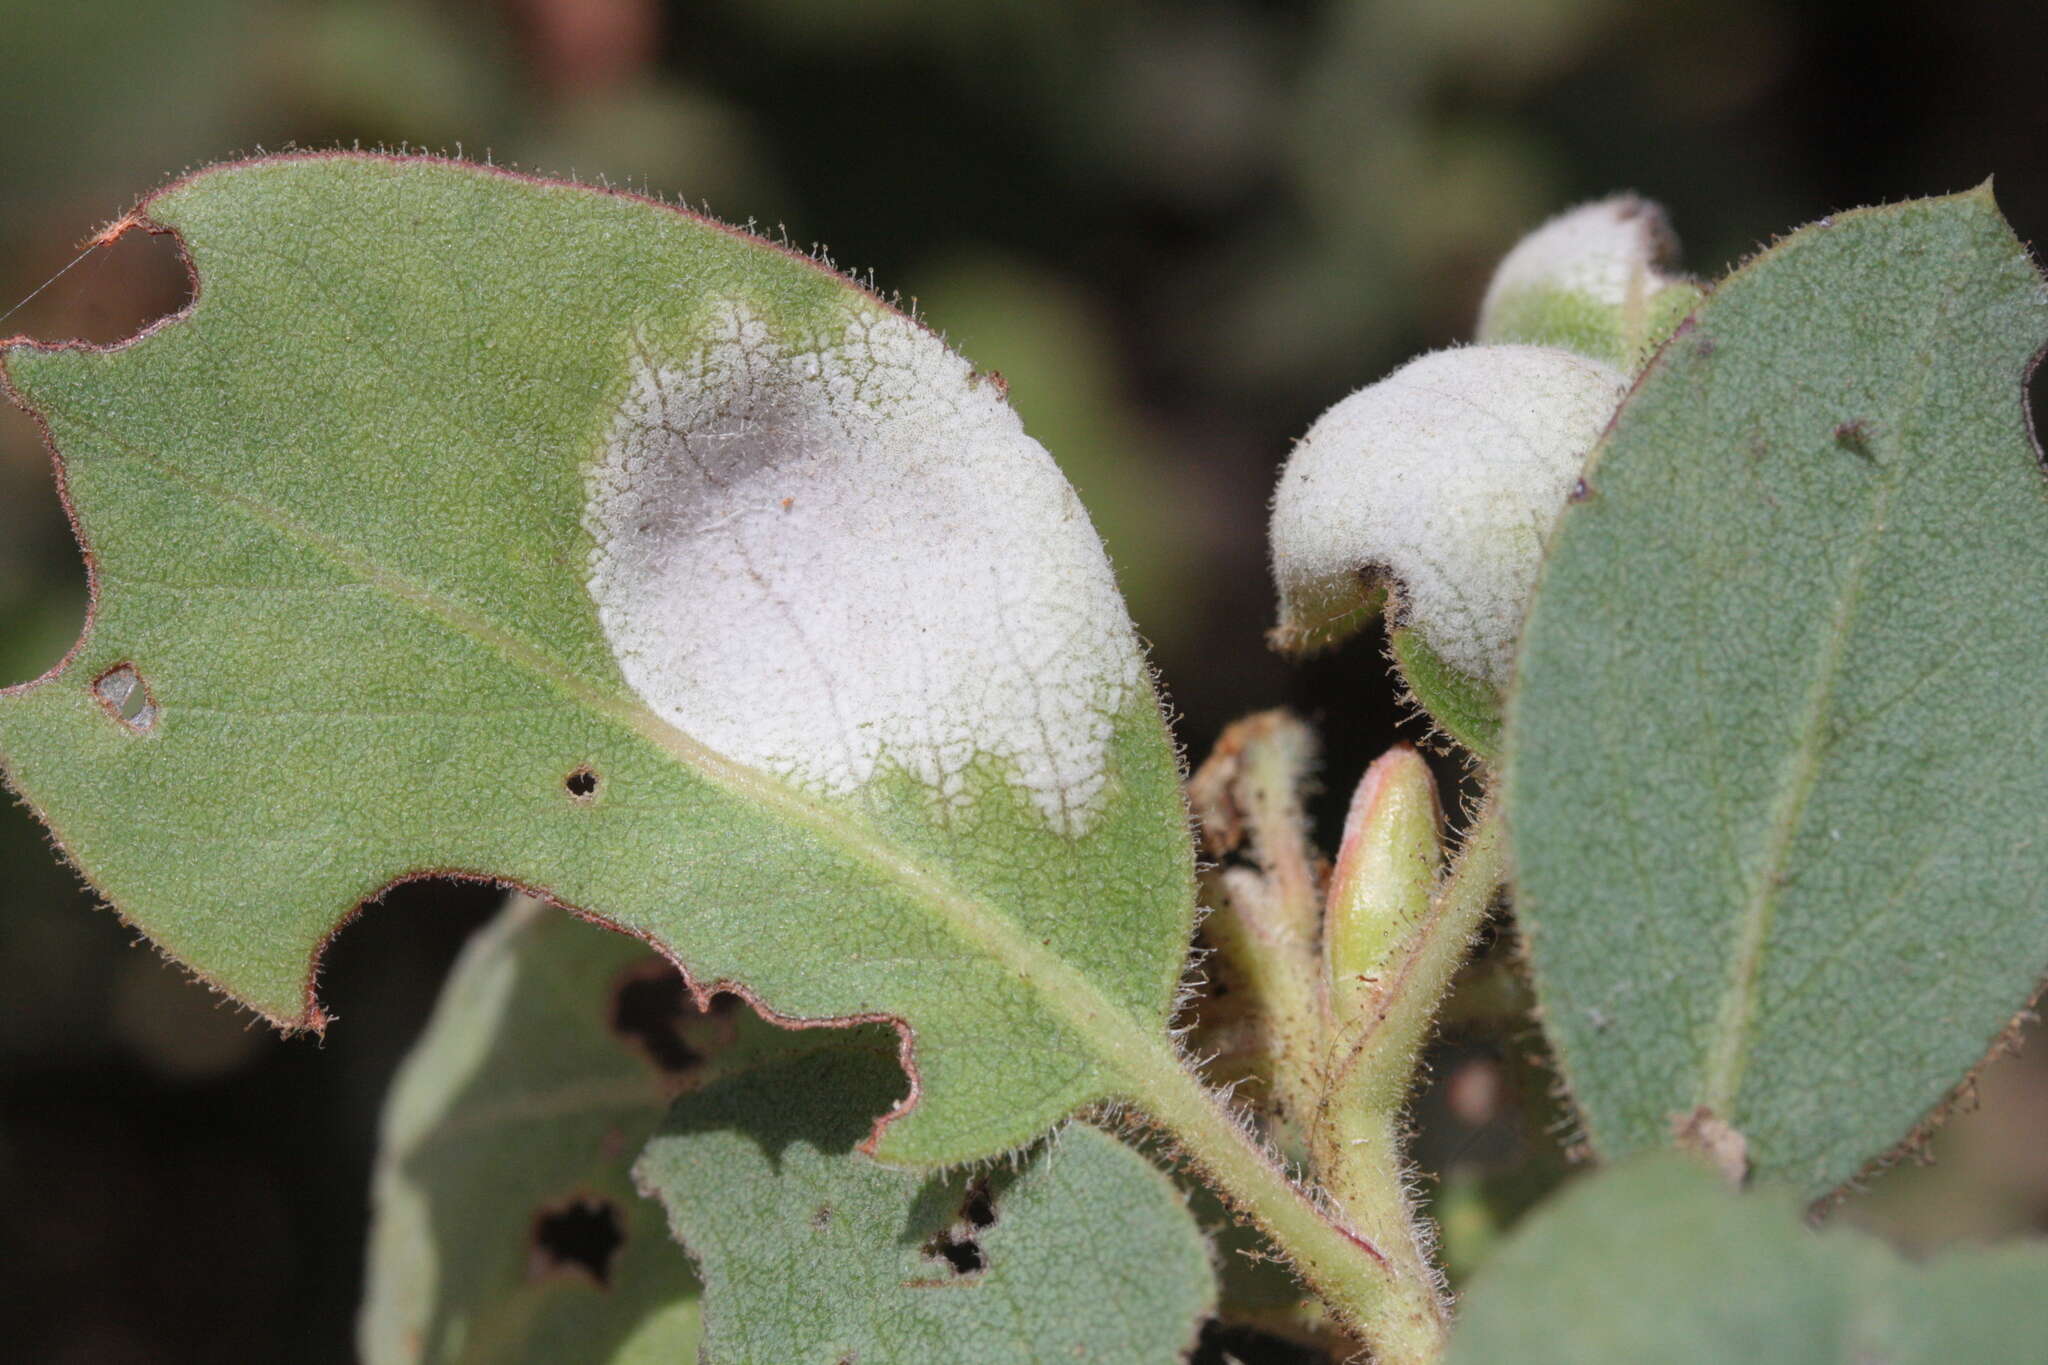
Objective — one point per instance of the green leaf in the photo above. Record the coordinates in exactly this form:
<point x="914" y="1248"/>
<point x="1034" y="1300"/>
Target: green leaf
<point x="1657" y="1261"/>
<point x="811" y="1251"/>
<point x="475" y="524"/>
<point x="1464" y="707"/>
<point x="1775" y="754"/>
<point x="504" y="1165"/>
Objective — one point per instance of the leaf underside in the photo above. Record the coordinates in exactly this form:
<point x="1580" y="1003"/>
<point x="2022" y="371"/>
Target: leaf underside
<point x="811" y="1251"/>
<point x="503" y="1170"/>
<point x="1656" y="1261"/>
<point x="1464" y="707"/>
<point x="1777" y="751"/>
<point x="508" y="1226"/>
<point x="342" y="548"/>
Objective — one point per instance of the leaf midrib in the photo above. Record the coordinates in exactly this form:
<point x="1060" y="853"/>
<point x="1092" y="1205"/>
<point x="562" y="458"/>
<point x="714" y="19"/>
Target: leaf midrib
<point x="1117" y="1036"/>
<point x="1728" y="1053"/>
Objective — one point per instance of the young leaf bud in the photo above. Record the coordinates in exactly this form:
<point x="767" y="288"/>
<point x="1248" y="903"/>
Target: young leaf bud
<point x="1381" y="886"/>
<point x="1597" y="280"/>
<point x="1433" y="490"/>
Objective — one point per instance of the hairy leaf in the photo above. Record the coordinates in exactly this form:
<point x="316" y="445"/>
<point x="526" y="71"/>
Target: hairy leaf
<point x="475" y="524"/>
<point x="1657" y="1261"/>
<point x="507" y="1227"/>
<point x="1465" y="708"/>
<point x="1598" y="279"/>
<point x="1432" y="490"/>
<point x="1778" y="748"/>
<point x="811" y="1251"/>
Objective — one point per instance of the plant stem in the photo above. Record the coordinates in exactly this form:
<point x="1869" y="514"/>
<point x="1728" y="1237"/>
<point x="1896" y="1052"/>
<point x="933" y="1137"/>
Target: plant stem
<point x="1363" y="1285"/>
<point x="1378" y="1065"/>
<point x="1356" y="1143"/>
<point x="1273" y="980"/>
<point x="1363" y="1256"/>
<point x="1265" y="919"/>
<point x="1366" y="1176"/>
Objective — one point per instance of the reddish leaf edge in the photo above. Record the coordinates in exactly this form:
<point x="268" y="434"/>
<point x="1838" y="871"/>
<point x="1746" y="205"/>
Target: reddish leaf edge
<point x="1580" y="1145"/>
<point x="313" y="1018"/>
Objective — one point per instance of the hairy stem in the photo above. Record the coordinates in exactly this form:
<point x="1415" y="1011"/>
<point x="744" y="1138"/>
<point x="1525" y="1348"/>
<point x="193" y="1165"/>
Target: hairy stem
<point x="1356" y="1146"/>
<point x="1362" y="1250"/>
<point x="1365" y="1286"/>
<point x="1367" y="1178"/>
<point x="1265" y="899"/>
<point x="1380" y="1051"/>
<point x="1279" y="1008"/>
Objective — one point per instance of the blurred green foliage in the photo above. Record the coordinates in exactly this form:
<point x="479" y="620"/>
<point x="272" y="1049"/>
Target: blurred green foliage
<point x="1179" y="230"/>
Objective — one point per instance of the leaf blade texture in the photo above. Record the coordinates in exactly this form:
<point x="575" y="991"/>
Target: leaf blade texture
<point x="505" y="1224"/>
<point x="1774" y="748"/>
<point x="367" y="545"/>
<point x="1656" y="1260"/>
<point x="1081" y="1251"/>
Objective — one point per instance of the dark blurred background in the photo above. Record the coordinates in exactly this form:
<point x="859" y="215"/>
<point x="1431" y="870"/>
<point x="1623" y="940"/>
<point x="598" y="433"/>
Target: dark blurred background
<point x="1179" y="230"/>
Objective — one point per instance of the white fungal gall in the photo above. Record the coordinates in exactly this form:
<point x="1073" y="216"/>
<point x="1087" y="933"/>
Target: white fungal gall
<point x="1599" y="279"/>
<point x="1440" y="482"/>
<point x="837" y="557"/>
<point x="1610" y="251"/>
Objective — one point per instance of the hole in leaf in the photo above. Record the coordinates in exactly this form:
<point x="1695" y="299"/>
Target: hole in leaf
<point x="821" y="1218"/>
<point x="126" y="698"/>
<point x="978" y="1208"/>
<point x="959" y="1244"/>
<point x="581" y="784"/>
<point x="649" y="1009"/>
<point x="964" y="1255"/>
<point x="581" y="1237"/>
<point x="119" y="286"/>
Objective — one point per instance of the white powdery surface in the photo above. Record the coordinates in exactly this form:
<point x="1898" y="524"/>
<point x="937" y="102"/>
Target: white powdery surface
<point x="1614" y="251"/>
<point x="1444" y="477"/>
<point x="830" y="558"/>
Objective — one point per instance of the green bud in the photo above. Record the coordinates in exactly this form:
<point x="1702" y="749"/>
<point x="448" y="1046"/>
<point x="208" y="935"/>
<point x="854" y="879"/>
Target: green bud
<point x="1380" y="889"/>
